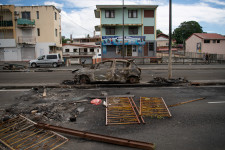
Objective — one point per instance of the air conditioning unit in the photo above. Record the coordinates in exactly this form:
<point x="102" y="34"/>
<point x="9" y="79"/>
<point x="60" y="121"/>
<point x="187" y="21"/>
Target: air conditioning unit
<point x="16" y="12"/>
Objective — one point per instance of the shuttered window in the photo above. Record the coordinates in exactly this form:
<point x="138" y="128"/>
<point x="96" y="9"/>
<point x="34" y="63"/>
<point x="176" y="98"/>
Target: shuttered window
<point x="149" y="13"/>
<point x="149" y="30"/>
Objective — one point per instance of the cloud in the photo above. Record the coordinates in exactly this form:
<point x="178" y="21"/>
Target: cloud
<point x="57" y="5"/>
<point x="215" y="2"/>
<point x="81" y="22"/>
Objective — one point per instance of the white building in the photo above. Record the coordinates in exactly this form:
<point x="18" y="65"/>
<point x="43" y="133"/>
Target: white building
<point x="78" y="53"/>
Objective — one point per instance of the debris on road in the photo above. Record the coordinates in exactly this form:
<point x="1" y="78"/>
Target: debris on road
<point x="96" y="101"/>
<point x="186" y="102"/>
<point x="68" y="82"/>
<point x="120" y="110"/>
<point x="154" y="107"/>
<point x="98" y="137"/>
<point x="164" y="81"/>
<point x="21" y="133"/>
<point x="7" y="66"/>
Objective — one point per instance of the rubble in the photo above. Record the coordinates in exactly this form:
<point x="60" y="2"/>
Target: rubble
<point x="58" y="105"/>
<point x="8" y="66"/>
<point x="164" y="81"/>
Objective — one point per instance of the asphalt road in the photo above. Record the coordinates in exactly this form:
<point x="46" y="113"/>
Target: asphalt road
<point x="198" y="125"/>
<point x="147" y="75"/>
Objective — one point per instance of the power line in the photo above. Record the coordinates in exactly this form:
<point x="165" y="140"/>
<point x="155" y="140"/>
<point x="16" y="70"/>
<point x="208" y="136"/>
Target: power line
<point x="76" y="23"/>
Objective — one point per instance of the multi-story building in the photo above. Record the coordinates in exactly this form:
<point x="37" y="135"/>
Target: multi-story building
<point x="139" y="30"/>
<point x="27" y="32"/>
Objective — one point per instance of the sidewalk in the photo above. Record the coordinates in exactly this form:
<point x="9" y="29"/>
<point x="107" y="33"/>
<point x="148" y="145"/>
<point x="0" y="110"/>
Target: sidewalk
<point x="142" y="84"/>
<point x="143" y="67"/>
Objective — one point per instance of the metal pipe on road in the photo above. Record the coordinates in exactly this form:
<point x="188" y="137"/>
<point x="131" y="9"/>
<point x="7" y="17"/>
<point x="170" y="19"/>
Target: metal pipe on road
<point x="98" y="137"/>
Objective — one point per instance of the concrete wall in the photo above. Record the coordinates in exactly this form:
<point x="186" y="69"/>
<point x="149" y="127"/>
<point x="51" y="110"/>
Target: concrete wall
<point x="191" y="43"/>
<point x="214" y="48"/>
<point x="42" y="49"/>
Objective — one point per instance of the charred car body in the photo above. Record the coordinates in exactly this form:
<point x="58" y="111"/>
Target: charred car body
<point x="116" y="70"/>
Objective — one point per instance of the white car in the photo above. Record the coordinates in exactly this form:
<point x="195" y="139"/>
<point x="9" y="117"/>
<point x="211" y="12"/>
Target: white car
<point x="53" y="60"/>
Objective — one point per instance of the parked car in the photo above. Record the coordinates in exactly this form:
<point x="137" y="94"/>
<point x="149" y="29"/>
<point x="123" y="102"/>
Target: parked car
<point x="110" y="70"/>
<point x="53" y="60"/>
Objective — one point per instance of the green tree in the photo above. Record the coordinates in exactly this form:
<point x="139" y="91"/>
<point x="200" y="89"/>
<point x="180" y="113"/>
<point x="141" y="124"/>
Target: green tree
<point x="185" y="30"/>
<point x="158" y="32"/>
<point x="64" y="40"/>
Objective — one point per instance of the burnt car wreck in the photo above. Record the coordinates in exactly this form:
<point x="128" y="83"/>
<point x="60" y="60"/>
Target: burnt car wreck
<point x="116" y="70"/>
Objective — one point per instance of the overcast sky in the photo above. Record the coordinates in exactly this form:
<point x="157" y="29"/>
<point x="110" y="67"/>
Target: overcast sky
<point x="79" y="20"/>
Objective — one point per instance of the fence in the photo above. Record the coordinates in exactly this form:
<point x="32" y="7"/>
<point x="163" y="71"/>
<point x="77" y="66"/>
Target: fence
<point x="191" y="57"/>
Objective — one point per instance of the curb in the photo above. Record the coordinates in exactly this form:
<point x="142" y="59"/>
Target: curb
<point x="192" y="83"/>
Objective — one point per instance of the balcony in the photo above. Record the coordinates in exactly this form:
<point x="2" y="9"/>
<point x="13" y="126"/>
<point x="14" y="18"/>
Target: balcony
<point x="79" y="53"/>
<point x="6" y="23"/>
<point x="27" y="39"/>
<point x="25" y="23"/>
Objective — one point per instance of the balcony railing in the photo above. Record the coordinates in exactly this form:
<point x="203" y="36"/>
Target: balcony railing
<point x="78" y="53"/>
<point x="25" y="23"/>
<point x="27" y="39"/>
<point x="6" y="23"/>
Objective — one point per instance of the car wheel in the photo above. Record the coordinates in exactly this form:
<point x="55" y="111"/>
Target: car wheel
<point x="84" y="80"/>
<point x="133" y="80"/>
<point x="55" y="65"/>
<point x="34" y="65"/>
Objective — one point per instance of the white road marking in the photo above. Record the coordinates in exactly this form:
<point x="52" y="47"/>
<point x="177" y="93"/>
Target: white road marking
<point x="216" y="102"/>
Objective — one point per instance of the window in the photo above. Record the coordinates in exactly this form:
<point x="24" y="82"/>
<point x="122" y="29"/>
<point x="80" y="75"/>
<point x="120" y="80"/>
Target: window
<point x="56" y="32"/>
<point x="149" y="13"/>
<point x="110" y="30"/>
<point x="92" y="50"/>
<point x="133" y="30"/>
<point x="132" y="13"/>
<point x="67" y="50"/>
<point x="38" y="32"/>
<point x="151" y="47"/>
<point x="51" y="56"/>
<point x="109" y="14"/>
<point x="149" y="30"/>
<point x="214" y="41"/>
<point x="85" y="50"/>
<point x="74" y="50"/>
<point x="37" y="12"/>
<point x="105" y="65"/>
<point x="1" y="18"/>
<point x="26" y="15"/>
<point x="121" y="65"/>
<point x="55" y="15"/>
<point x="206" y="41"/>
<point x="218" y="41"/>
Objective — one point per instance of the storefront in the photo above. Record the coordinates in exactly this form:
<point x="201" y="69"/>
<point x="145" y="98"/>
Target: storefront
<point x="112" y="46"/>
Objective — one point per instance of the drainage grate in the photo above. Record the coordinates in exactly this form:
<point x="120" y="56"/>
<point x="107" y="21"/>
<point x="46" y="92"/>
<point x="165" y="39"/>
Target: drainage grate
<point x="20" y="133"/>
<point x="120" y="110"/>
<point x="154" y="107"/>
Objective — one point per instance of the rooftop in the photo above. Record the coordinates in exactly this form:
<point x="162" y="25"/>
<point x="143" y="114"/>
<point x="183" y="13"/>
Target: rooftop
<point x="127" y="6"/>
<point x="209" y="36"/>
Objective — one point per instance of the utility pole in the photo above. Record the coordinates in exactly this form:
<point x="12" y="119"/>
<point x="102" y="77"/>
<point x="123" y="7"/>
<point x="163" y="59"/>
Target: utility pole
<point x="123" y="31"/>
<point x="170" y="41"/>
